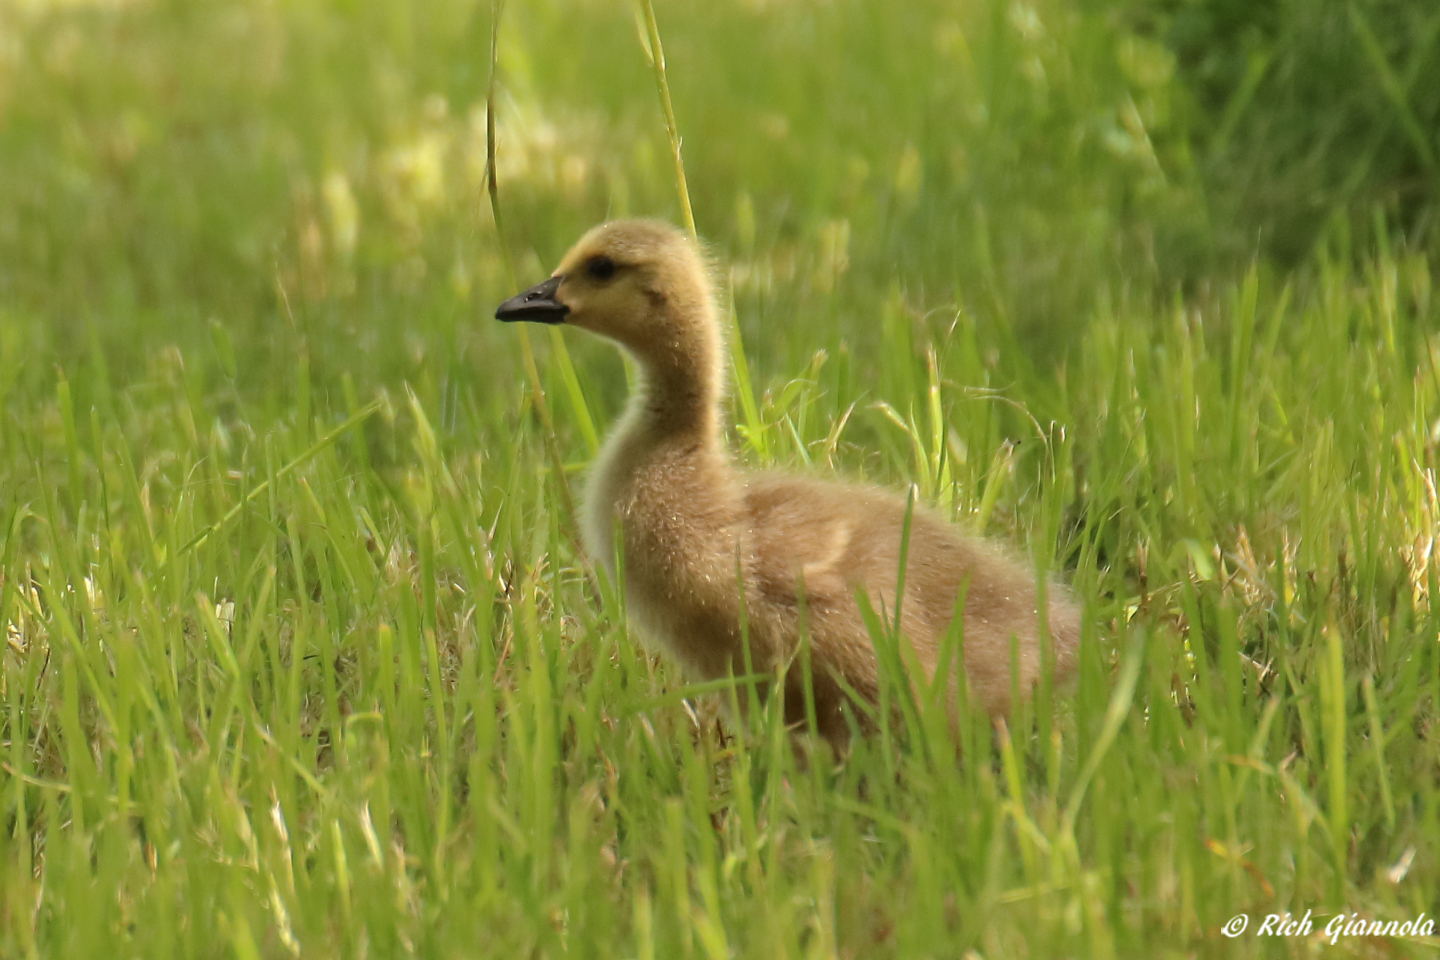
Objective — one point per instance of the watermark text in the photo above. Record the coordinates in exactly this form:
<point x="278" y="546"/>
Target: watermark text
<point x="1334" y="929"/>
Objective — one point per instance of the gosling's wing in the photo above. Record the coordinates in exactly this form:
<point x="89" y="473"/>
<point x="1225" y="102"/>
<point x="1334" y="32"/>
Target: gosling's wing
<point x="800" y="533"/>
<point x="836" y="538"/>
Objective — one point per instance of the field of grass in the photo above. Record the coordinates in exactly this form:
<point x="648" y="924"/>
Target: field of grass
<point x="301" y="658"/>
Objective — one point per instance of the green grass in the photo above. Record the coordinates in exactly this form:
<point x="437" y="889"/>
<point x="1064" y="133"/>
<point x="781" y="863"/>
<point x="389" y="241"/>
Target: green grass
<point x="301" y="658"/>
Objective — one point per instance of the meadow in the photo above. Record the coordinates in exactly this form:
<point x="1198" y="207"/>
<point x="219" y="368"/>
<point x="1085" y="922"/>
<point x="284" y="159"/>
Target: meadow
<point x="302" y="657"/>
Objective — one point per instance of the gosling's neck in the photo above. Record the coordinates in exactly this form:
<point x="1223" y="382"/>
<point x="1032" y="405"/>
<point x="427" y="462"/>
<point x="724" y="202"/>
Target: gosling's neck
<point x="665" y="455"/>
<point x="679" y="390"/>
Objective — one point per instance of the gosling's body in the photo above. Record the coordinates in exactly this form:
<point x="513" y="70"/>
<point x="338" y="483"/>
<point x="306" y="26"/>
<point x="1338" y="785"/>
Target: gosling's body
<point x="697" y="535"/>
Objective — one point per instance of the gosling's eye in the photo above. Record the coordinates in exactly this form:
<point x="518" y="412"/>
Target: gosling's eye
<point x="600" y="268"/>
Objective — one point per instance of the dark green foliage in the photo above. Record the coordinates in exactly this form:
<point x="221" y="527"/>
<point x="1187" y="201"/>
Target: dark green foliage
<point x="1301" y="112"/>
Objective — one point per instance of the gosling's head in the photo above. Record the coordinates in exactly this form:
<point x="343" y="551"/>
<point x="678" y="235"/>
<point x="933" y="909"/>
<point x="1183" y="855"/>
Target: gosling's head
<point x="639" y="282"/>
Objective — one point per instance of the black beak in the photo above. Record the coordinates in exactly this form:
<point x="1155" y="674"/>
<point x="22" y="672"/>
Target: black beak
<point x="538" y="304"/>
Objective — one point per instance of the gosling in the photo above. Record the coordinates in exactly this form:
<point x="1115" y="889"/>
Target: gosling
<point x="715" y="559"/>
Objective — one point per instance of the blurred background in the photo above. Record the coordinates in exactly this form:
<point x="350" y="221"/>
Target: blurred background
<point x="249" y="180"/>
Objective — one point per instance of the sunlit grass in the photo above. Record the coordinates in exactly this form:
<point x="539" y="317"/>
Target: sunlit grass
<point x="301" y="658"/>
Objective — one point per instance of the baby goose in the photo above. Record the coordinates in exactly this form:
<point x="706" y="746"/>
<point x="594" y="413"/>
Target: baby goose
<point x="699" y="538"/>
